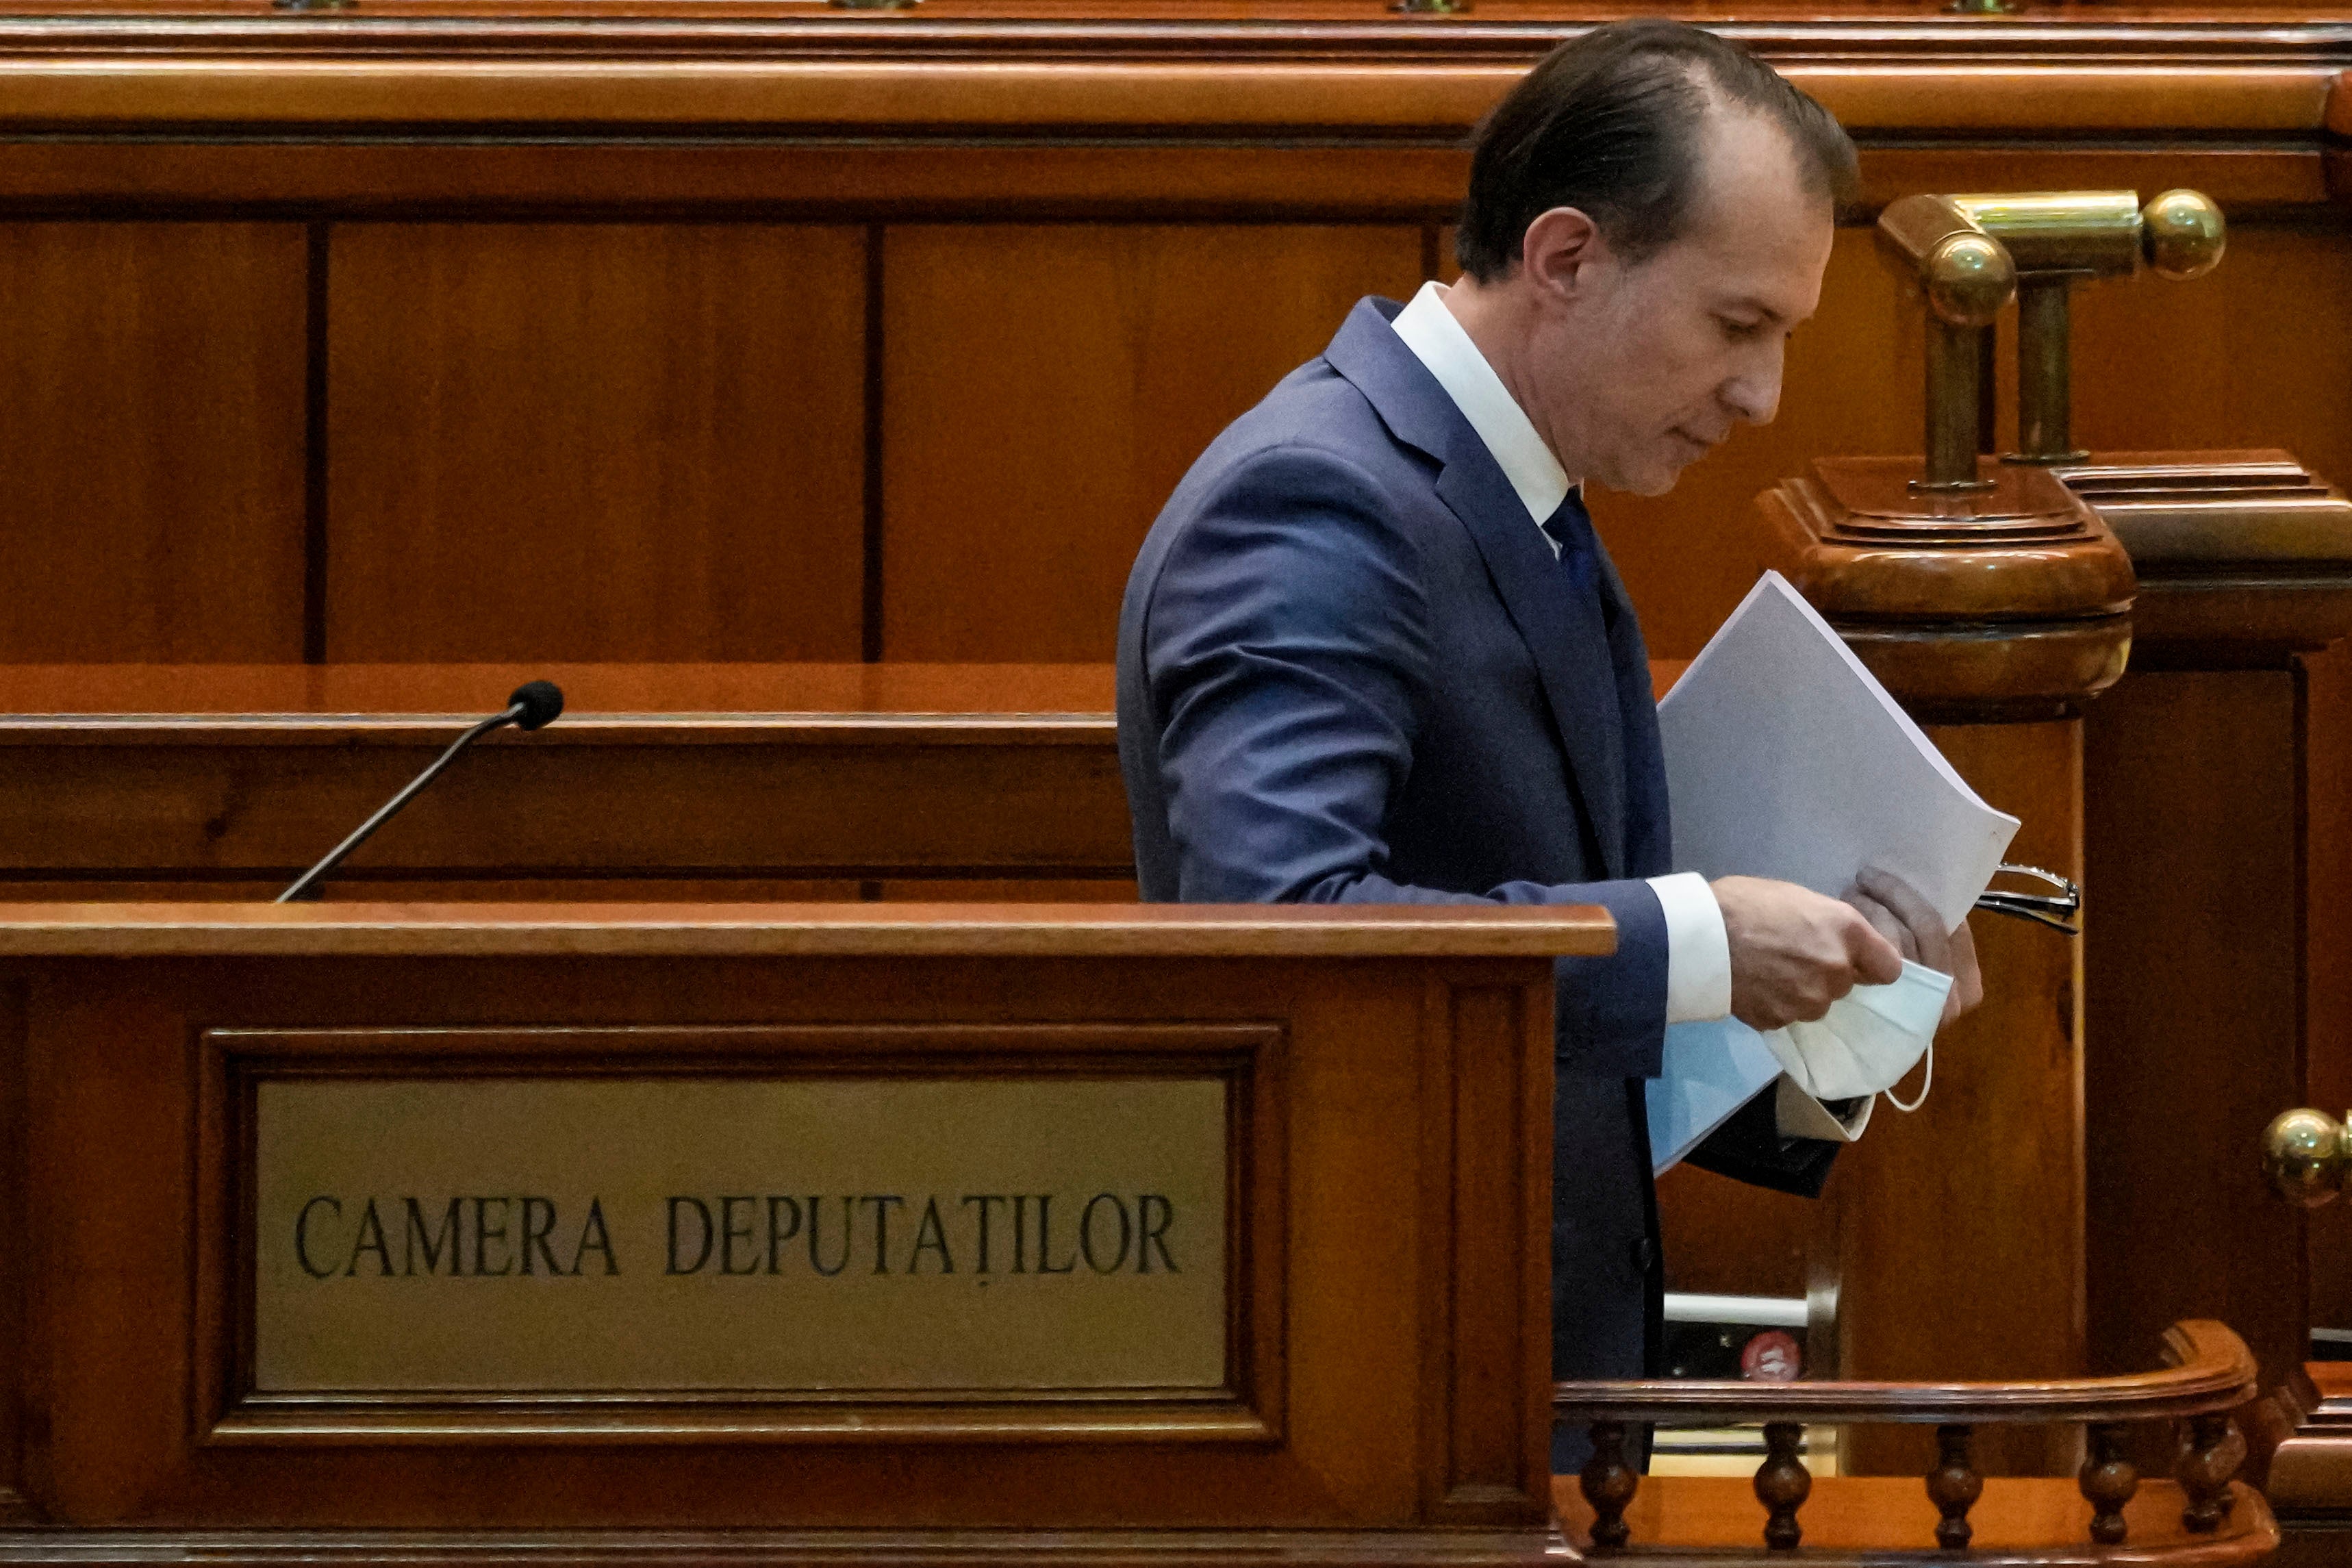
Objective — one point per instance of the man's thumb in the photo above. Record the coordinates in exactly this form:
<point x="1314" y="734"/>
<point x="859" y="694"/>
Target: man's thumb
<point x="1875" y="960"/>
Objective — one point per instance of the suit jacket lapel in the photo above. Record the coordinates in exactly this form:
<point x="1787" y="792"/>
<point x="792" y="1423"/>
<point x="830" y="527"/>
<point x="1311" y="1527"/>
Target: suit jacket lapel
<point x="1562" y="629"/>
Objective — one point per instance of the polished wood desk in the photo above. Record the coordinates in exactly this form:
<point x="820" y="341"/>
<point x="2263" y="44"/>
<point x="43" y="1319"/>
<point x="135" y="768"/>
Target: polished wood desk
<point x="660" y="781"/>
<point x="209" y="1345"/>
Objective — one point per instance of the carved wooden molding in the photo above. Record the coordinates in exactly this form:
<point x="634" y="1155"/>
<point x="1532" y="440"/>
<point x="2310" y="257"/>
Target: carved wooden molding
<point x="2202" y="75"/>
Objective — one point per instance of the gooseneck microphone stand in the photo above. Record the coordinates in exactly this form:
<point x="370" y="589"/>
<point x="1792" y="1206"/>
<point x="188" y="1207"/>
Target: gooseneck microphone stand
<point x="533" y="705"/>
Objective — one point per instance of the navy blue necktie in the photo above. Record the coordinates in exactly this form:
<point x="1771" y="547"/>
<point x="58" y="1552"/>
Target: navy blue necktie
<point x="1571" y="528"/>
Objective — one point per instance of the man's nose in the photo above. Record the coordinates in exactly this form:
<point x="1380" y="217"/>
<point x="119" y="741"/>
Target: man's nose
<point x="1754" y="394"/>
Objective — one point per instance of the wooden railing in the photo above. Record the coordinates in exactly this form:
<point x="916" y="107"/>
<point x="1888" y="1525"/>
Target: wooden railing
<point x="2208" y="1372"/>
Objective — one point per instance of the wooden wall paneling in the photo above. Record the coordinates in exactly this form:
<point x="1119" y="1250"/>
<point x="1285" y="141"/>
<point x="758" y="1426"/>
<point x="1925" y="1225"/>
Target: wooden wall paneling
<point x="2251" y="82"/>
<point x="2181" y="855"/>
<point x="2256" y="354"/>
<point x="1960" y="1227"/>
<point x="1725" y="1237"/>
<point x="1007" y="891"/>
<point x="580" y="441"/>
<point x="1266" y="178"/>
<point x="1045" y="386"/>
<point x="152" y="501"/>
<point x="2327" y="954"/>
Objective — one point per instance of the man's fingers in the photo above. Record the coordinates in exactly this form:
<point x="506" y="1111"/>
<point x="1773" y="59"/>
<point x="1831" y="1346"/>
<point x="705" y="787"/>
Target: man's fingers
<point x="1876" y="961"/>
<point x="1882" y="920"/>
<point x="1967" y="980"/>
<point x="1933" y="943"/>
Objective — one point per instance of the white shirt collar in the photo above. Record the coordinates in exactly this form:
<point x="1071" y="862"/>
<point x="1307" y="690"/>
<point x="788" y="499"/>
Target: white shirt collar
<point x="1438" y="341"/>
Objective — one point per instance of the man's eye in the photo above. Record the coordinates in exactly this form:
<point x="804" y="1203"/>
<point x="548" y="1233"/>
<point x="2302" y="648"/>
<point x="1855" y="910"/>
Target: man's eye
<point x="1736" y="329"/>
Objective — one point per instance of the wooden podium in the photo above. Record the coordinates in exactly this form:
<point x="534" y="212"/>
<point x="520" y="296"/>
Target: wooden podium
<point x="845" y="1233"/>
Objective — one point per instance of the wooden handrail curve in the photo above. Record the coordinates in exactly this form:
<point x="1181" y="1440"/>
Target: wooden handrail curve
<point x="2206" y="1368"/>
<point x="2207" y="1371"/>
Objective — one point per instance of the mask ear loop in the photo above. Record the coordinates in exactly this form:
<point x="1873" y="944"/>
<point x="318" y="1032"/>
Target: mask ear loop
<point x="1924" y="1085"/>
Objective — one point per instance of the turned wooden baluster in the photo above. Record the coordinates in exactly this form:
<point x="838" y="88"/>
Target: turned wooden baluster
<point x="1782" y="1484"/>
<point x="1953" y="1486"/>
<point x="1609" y="1482"/>
<point x="2210" y="1452"/>
<point x="2108" y="1479"/>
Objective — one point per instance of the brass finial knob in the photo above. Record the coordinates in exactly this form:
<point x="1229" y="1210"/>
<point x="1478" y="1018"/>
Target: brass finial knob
<point x="2306" y="1156"/>
<point x="1969" y="279"/>
<point x="2182" y="235"/>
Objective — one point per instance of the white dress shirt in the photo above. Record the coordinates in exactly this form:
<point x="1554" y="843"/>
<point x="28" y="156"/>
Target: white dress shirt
<point x="1698" y="952"/>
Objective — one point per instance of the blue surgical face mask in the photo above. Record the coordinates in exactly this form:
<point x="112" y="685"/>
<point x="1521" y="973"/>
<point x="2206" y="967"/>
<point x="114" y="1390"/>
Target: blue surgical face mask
<point x="1868" y="1039"/>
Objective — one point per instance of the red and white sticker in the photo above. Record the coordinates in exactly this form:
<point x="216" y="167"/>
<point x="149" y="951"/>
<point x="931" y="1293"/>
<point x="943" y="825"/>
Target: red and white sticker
<point x="1772" y="1356"/>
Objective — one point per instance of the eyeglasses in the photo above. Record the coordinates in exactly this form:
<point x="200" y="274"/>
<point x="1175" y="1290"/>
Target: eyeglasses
<point x="2053" y="910"/>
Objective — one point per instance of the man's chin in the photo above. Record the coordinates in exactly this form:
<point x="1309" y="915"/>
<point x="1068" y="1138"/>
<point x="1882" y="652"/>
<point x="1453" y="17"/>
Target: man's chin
<point x="1652" y="482"/>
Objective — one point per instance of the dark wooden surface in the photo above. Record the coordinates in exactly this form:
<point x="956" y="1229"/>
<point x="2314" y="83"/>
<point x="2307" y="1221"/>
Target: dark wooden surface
<point x="1388" y="1272"/>
<point x="2213" y="952"/>
<point x="900" y="328"/>
<point x="611" y="442"/>
<point x="1954" y="1235"/>
<point x="660" y="781"/>
<point x="155" y="489"/>
<point x="798" y="931"/>
<point x="1857" y="1519"/>
<point x="1046" y="386"/>
<point x="2192" y="960"/>
<point x="2300" y="1452"/>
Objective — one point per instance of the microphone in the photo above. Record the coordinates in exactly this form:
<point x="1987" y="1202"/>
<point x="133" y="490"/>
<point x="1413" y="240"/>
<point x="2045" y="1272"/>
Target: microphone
<point x="532" y="705"/>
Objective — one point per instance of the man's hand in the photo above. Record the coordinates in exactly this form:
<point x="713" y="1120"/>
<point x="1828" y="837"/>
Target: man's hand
<point x="1794" y="952"/>
<point x="1900" y="915"/>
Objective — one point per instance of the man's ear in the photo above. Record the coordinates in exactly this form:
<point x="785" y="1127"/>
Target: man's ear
<point x="1558" y="252"/>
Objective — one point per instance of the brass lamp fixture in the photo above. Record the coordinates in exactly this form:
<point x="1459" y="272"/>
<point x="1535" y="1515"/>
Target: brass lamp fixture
<point x="1972" y="254"/>
<point x="2058" y="240"/>
<point x="2307" y="1155"/>
<point x="1966" y="276"/>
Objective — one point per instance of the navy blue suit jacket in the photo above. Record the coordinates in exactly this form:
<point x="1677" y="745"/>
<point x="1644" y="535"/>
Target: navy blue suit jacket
<point x="1350" y="670"/>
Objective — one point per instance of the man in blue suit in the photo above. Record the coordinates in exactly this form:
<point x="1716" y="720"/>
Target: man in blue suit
<point x="1373" y="651"/>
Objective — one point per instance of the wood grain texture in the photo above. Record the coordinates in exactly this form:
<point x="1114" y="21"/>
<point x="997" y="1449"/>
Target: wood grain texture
<point x="2191" y="960"/>
<point x="117" y="1313"/>
<point x="863" y="930"/>
<point x="154" y="489"/>
<point x="660" y="782"/>
<point x="516" y="73"/>
<point x="1853" y="1520"/>
<point x="571" y="441"/>
<point x="732" y="799"/>
<point x="1046" y="388"/>
<point x="1725" y="1237"/>
<point x="2301" y="1443"/>
<point x="1376" y="178"/>
<point x="2328" y="956"/>
<point x="694" y="1547"/>
<point x="162" y="697"/>
<point x="1960" y="1227"/>
<point x="2255" y="354"/>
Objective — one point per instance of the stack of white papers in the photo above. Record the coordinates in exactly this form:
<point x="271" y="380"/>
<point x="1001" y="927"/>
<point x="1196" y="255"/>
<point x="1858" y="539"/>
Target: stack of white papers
<point x="1786" y="759"/>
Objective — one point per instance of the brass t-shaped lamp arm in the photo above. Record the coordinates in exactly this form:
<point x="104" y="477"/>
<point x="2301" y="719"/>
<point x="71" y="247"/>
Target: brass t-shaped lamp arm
<point x="2058" y="238"/>
<point x="1966" y="276"/>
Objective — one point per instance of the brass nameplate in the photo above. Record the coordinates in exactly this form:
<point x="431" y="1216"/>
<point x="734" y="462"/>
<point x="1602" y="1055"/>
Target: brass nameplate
<point x="904" y="1234"/>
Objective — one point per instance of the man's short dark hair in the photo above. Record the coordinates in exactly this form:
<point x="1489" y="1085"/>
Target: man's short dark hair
<point x="1609" y="123"/>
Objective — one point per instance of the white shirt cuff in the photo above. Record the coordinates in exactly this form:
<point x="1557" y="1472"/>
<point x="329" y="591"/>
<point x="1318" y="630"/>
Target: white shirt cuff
<point x="1698" y="951"/>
